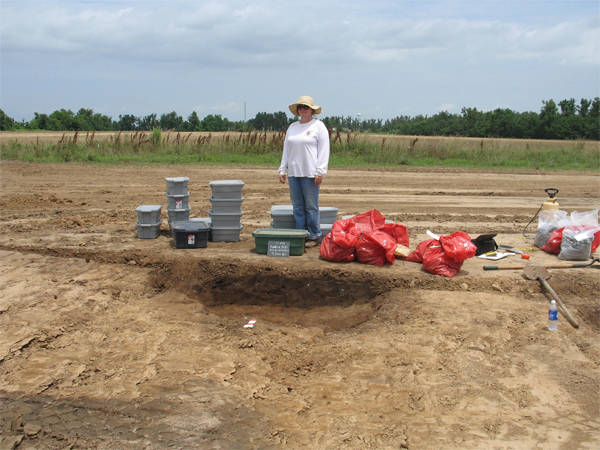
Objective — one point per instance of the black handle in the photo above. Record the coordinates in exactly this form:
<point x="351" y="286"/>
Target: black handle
<point x="490" y="267"/>
<point x="551" y="192"/>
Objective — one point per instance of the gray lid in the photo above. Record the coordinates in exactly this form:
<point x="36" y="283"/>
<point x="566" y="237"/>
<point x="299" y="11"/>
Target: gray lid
<point x="282" y="213"/>
<point x="226" y="183"/>
<point x="177" y="179"/>
<point x="211" y="213"/>
<point x="189" y="226"/>
<point x="148" y="208"/>
<point x="279" y="233"/>
<point x="238" y="200"/>
<point x="281" y="208"/>
<point x="275" y="208"/>
<point x="228" y="228"/>
<point x="207" y="220"/>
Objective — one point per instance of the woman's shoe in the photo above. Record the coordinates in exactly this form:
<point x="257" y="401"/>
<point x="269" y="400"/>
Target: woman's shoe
<point x="311" y="243"/>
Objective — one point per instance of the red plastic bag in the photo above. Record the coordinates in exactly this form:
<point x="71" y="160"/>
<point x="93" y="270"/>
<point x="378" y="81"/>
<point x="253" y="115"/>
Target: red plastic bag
<point x="330" y="251"/>
<point x="397" y="231"/>
<point x="446" y="256"/>
<point x="555" y="240"/>
<point x="458" y="246"/>
<point x="437" y="262"/>
<point x="553" y="243"/>
<point x="417" y="255"/>
<point x="376" y="248"/>
<point x="369" y="221"/>
<point x="345" y="233"/>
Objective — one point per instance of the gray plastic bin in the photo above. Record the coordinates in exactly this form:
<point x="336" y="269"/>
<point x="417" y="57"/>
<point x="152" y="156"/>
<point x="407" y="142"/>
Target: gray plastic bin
<point x="289" y="223"/>
<point x="177" y="185"/>
<point x="148" y="231"/>
<point x="224" y="189"/>
<point x="178" y="215"/>
<point x="225" y="234"/>
<point x="148" y="214"/>
<point x="325" y="230"/>
<point x="178" y="201"/>
<point x="282" y="208"/>
<point x="226" y="205"/>
<point x="328" y="214"/>
<point x="283" y="215"/>
<point x="225" y="220"/>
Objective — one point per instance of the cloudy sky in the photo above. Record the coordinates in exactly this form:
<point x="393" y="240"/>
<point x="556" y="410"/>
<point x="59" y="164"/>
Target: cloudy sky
<point x="377" y="58"/>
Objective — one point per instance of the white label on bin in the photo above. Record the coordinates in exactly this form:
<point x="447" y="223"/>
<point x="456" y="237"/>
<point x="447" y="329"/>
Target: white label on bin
<point x="191" y="239"/>
<point x="179" y="204"/>
<point x="278" y="248"/>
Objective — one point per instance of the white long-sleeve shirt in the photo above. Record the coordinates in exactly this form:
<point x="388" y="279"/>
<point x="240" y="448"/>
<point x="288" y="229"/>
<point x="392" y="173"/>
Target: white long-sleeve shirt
<point x="305" y="150"/>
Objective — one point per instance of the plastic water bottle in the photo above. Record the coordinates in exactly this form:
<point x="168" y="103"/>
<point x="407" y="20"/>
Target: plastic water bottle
<point x="553" y="316"/>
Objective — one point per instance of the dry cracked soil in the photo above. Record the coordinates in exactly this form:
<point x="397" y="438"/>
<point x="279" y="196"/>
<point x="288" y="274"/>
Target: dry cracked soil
<point x="110" y="342"/>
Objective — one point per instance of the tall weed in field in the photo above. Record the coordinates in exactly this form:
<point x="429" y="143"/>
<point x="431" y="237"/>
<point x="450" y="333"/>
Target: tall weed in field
<point x="347" y="150"/>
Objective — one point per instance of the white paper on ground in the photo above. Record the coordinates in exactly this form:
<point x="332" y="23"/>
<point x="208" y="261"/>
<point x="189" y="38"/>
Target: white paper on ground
<point x="498" y="255"/>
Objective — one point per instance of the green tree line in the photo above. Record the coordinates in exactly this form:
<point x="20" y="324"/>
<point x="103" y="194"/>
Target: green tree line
<point x="565" y="120"/>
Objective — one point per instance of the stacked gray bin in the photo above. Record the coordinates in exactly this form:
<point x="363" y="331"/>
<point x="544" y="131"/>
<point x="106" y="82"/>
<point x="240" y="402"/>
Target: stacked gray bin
<point x="178" y="199"/>
<point x="148" y="224"/>
<point x="226" y="213"/>
<point x="283" y="217"/>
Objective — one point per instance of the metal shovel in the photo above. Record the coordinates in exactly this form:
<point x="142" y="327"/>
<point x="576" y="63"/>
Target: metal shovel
<point x="561" y="266"/>
<point x="541" y="273"/>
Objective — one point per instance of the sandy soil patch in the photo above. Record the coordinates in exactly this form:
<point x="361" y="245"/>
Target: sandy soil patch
<point x="110" y="341"/>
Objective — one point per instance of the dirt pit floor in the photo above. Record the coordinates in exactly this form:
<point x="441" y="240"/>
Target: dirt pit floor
<point x="110" y="342"/>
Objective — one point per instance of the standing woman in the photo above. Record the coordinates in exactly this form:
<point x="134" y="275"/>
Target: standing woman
<point x="305" y="160"/>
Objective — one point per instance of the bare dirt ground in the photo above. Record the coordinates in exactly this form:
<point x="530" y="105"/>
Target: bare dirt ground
<point x="109" y="341"/>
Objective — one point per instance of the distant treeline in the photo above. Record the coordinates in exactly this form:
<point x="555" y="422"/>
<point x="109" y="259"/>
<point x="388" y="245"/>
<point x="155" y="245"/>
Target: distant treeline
<point x="565" y="120"/>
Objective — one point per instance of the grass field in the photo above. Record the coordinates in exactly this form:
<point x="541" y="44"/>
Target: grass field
<point x="264" y="149"/>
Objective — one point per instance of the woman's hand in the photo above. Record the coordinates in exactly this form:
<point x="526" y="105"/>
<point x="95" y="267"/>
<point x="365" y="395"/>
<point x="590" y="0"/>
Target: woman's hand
<point x="282" y="179"/>
<point x="318" y="180"/>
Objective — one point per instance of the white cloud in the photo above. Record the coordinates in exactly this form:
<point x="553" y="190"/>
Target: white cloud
<point x="399" y="55"/>
<point x="241" y="35"/>
<point x="445" y="107"/>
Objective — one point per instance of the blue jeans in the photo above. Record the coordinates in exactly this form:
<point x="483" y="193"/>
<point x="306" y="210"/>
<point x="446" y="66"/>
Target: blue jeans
<point x="305" y="200"/>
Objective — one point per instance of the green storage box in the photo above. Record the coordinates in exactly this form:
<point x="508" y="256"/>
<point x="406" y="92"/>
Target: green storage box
<point x="296" y="238"/>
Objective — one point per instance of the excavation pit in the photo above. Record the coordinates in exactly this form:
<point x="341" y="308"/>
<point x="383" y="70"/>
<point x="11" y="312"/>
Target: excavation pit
<point x="325" y="303"/>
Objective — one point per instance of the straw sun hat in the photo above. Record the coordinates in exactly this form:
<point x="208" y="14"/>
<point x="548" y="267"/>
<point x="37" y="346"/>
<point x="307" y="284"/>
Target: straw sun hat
<point x="305" y="100"/>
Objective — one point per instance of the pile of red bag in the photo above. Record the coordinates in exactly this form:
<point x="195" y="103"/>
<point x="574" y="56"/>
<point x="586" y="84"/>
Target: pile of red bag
<point x="367" y="238"/>
<point x="364" y="237"/>
<point x="446" y="255"/>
